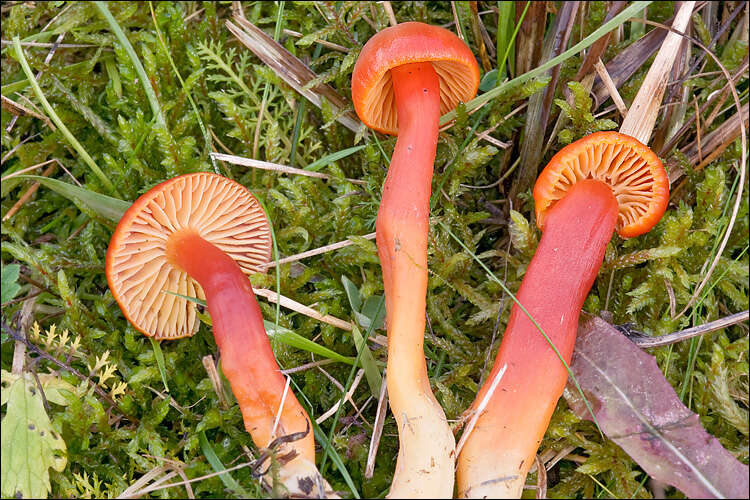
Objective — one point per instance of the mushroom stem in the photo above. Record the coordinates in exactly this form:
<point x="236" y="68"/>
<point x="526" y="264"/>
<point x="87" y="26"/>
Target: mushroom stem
<point x="246" y="356"/>
<point x="497" y="456"/>
<point x="425" y="464"/>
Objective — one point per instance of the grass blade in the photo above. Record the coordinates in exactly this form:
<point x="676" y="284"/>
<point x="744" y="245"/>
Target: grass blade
<point x="56" y="119"/>
<point x="619" y="19"/>
<point x="106" y="206"/>
<point x="160" y="361"/>
<point x="215" y="462"/>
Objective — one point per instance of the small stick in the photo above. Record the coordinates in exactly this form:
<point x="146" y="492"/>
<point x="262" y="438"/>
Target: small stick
<point x="25" y="197"/>
<point x="640" y="120"/>
<point x="541" y="478"/>
<point x="479" y="410"/>
<point x="272" y="296"/>
<point x="389" y="12"/>
<point x="459" y="31"/>
<point x="672" y="338"/>
<point x="601" y="70"/>
<point x="278" y="413"/>
<point x="317" y="251"/>
<point x="267" y="165"/>
<point x="377" y="430"/>
<point x="335" y="407"/>
<point x="324" y="43"/>
<point x="213" y="377"/>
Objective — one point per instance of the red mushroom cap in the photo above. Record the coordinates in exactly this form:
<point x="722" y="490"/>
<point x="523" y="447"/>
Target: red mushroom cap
<point x="412" y="42"/>
<point x="632" y="170"/>
<point x="139" y="271"/>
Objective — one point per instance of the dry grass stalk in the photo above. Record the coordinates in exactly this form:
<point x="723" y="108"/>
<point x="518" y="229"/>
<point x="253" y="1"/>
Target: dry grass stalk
<point x="17" y="109"/>
<point x="291" y="69"/>
<point x="29" y="192"/>
<point x="597" y="49"/>
<point x="324" y="43"/>
<point x="628" y="61"/>
<point x="389" y="12"/>
<point x="317" y="251"/>
<point x="348" y="397"/>
<point x="479" y="409"/>
<point x="275" y="298"/>
<point x="601" y="70"/>
<point x="377" y="430"/>
<point x="459" y="31"/>
<point x="213" y="377"/>
<point x="267" y="165"/>
<point x="712" y="144"/>
<point x="135" y="490"/>
<point x="541" y="479"/>
<point x="640" y="120"/>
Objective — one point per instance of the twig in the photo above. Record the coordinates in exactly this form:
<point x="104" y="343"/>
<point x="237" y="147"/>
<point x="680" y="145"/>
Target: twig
<point x="267" y="165"/>
<point x="29" y="192"/>
<point x="377" y="430"/>
<point x="640" y="120"/>
<point x="274" y="297"/>
<point x="324" y="43"/>
<point x="601" y="70"/>
<point x="643" y="341"/>
<point x="389" y="12"/>
<point x="541" y="478"/>
<point x="348" y="397"/>
<point x="317" y="251"/>
<point x="480" y="408"/>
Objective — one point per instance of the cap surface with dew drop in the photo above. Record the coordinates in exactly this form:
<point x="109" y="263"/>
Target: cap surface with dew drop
<point x="143" y="280"/>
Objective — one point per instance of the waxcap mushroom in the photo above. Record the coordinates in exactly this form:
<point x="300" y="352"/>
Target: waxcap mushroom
<point x="634" y="172"/>
<point x="412" y="42"/>
<point x="139" y="272"/>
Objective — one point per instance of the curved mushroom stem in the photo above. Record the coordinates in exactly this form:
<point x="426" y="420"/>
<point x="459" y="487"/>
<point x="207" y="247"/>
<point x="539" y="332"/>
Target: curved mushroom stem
<point x="246" y="356"/>
<point x="497" y="455"/>
<point x="425" y="464"/>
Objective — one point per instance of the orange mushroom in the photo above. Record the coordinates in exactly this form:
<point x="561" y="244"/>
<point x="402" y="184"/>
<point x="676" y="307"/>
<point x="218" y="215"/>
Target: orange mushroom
<point x="604" y="181"/>
<point x="199" y="235"/>
<point x="404" y="78"/>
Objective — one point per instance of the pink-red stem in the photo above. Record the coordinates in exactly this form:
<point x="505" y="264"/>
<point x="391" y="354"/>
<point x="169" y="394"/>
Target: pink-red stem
<point x="246" y="356"/>
<point x="496" y="457"/>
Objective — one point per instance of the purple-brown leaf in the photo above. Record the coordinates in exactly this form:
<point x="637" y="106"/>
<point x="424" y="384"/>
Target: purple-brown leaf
<point x="639" y="410"/>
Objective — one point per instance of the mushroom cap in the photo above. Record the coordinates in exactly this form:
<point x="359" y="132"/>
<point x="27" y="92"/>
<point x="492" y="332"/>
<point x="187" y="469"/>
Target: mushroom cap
<point x="634" y="172"/>
<point x="141" y="276"/>
<point x="412" y="42"/>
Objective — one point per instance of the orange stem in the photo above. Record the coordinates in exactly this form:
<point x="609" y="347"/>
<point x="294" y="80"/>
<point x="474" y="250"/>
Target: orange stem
<point x="246" y="356"/>
<point x="426" y="443"/>
<point x="497" y="455"/>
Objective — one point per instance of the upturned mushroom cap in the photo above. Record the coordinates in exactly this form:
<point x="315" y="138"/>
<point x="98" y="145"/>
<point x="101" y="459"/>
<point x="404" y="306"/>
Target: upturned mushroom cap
<point x="632" y="170"/>
<point x="139" y="272"/>
<point x="412" y="42"/>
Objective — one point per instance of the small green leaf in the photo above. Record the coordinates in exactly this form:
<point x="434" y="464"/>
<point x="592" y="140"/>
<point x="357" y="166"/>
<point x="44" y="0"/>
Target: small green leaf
<point x="372" y="373"/>
<point x="328" y="159"/>
<point x="352" y="293"/>
<point x="372" y="312"/>
<point x="9" y="287"/>
<point x="489" y="80"/>
<point x="105" y="206"/>
<point x="216" y="464"/>
<point x="159" y="355"/>
<point x="29" y="445"/>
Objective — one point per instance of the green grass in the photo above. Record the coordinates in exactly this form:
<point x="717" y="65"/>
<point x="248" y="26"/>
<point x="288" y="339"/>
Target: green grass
<point x="165" y="83"/>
